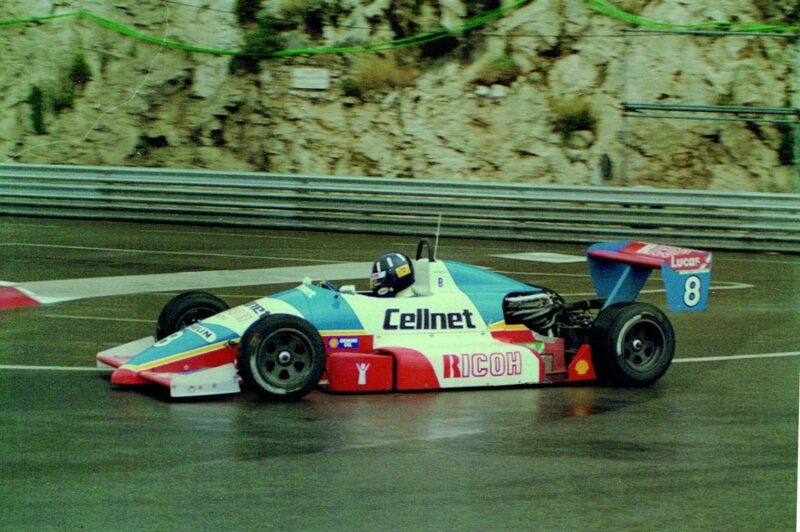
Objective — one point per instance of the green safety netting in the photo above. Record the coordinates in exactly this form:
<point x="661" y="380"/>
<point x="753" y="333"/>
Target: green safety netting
<point x="599" y="6"/>
<point x="414" y="40"/>
<point x="608" y="9"/>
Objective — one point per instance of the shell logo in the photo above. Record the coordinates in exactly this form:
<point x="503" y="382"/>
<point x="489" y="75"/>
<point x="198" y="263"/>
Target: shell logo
<point x="582" y="367"/>
<point x="333" y="343"/>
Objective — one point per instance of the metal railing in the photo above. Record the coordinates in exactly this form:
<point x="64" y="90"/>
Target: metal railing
<point x="713" y="220"/>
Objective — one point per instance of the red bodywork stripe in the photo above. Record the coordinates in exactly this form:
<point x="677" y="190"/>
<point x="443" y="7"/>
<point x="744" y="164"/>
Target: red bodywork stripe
<point x="126" y="376"/>
<point x="156" y="378"/>
<point x="114" y="362"/>
<point x="10" y="297"/>
<point x="627" y="258"/>
<point x="514" y="336"/>
<point x="413" y="370"/>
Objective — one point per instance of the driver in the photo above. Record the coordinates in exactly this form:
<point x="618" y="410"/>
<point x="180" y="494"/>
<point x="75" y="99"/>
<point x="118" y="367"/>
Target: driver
<point x="391" y="274"/>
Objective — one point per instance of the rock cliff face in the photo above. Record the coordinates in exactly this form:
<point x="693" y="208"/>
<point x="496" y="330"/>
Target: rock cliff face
<point x="533" y="97"/>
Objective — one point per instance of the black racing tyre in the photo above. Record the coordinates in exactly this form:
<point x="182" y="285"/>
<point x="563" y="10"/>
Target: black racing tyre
<point x="281" y="357"/>
<point x="632" y="344"/>
<point x="186" y="309"/>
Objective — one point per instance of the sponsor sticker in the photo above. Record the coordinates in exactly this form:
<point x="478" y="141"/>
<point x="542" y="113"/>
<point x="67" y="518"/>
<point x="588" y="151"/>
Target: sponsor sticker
<point x="362" y="368"/>
<point x="169" y="339"/>
<point x="239" y="314"/>
<point x="423" y="319"/>
<point x="482" y="365"/>
<point x="203" y="332"/>
<point x="257" y="308"/>
<point x="403" y="270"/>
<point x="582" y="368"/>
<point x="344" y="342"/>
<point x="658" y="250"/>
<point x="694" y="261"/>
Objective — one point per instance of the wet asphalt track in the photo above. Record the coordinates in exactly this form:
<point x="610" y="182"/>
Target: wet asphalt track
<point x="712" y="446"/>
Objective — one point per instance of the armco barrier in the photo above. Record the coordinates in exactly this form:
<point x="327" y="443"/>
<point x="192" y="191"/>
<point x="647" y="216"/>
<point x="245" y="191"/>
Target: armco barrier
<point x="713" y="220"/>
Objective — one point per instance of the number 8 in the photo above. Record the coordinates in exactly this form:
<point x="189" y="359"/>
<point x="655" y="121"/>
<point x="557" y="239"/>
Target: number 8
<point x="691" y="293"/>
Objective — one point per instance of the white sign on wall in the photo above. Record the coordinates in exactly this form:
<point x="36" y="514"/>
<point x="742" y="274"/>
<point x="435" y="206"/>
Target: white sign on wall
<point x="311" y="78"/>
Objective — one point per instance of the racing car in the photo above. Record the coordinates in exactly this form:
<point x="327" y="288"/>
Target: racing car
<point x="425" y="324"/>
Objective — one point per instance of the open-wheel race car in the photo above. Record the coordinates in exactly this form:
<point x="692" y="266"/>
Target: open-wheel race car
<point x="426" y="324"/>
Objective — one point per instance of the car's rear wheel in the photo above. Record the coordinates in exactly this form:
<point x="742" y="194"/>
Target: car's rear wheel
<point x="632" y="344"/>
<point x="281" y="357"/>
<point x="186" y="309"/>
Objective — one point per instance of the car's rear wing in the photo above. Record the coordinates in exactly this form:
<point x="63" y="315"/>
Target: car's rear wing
<point x="620" y="269"/>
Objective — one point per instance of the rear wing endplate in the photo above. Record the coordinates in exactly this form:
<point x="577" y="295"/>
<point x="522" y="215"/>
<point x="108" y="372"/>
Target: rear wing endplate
<point x="620" y="269"/>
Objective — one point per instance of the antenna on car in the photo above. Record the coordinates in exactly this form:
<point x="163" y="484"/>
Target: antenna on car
<point x="438" y="231"/>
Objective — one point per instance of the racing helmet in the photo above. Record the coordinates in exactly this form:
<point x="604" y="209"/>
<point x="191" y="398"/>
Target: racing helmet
<point x="391" y="273"/>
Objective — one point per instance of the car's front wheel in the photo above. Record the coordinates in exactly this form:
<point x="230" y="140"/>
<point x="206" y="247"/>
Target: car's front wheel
<point x="632" y="344"/>
<point x="281" y="357"/>
<point x="186" y="309"/>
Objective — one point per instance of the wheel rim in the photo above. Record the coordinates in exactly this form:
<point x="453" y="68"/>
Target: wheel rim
<point x="284" y="359"/>
<point x="643" y="345"/>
